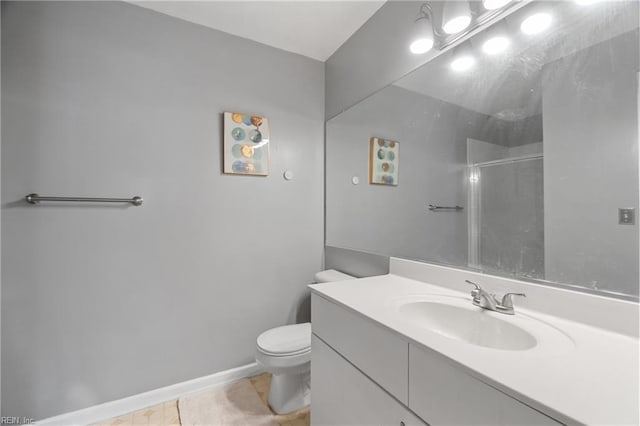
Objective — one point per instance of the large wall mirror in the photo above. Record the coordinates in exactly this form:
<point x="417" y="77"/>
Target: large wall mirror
<point x="536" y="139"/>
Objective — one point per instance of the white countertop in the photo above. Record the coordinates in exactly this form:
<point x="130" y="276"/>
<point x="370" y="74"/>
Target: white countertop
<point x="590" y="377"/>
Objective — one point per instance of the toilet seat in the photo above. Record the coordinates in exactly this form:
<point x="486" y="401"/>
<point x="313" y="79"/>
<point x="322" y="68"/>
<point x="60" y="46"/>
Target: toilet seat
<point x="285" y="349"/>
<point x="285" y="341"/>
<point x="278" y="355"/>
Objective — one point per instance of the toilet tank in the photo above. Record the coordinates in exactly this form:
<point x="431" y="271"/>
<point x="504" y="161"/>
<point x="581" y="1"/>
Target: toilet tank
<point x="331" y="275"/>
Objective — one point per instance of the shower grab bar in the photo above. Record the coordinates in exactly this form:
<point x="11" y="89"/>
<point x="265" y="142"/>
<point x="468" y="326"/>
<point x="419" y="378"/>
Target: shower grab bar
<point x="437" y="208"/>
<point x="35" y="199"/>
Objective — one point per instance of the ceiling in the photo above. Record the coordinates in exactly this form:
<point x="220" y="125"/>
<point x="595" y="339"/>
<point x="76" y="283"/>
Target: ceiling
<point x="314" y="29"/>
<point x="508" y="86"/>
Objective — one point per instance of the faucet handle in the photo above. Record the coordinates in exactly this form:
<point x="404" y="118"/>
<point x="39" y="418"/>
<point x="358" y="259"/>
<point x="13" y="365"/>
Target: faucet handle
<point x="475" y="293"/>
<point x="473" y="284"/>
<point x="507" y="302"/>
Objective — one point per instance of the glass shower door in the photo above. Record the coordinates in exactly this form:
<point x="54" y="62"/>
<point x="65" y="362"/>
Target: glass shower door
<point x="507" y="217"/>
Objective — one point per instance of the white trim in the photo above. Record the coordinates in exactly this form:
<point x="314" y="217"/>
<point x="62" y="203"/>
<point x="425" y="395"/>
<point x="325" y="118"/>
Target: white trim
<point x="109" y="410"/>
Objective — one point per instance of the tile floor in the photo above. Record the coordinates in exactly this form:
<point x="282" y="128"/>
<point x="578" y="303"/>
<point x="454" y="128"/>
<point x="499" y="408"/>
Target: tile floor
<point x="166" y="414"/>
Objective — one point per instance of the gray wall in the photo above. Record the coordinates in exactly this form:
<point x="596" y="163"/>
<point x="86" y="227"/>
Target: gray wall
<point x="354" y="262"/>
<point x="590" y="108"/>
<point x="433" y="156"/>
<point x="108" y="99"/>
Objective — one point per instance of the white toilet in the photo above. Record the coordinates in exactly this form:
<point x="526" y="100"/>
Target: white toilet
<point x="285" y="352"/>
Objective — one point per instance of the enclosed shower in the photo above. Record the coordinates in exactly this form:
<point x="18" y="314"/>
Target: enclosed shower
<point x="506" y="209"/>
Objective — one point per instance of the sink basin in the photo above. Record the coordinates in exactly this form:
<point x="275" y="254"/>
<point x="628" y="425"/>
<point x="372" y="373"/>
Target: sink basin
<point x="469" y="324"/>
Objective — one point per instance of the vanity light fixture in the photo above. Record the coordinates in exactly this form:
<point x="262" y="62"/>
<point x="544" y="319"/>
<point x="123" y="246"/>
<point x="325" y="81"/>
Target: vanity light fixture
<point x="456" y="16"/>
<point x="458" y="20"/>
<point x="536" y="23"/>
<point x="495" y="4"/>
<point x="424" y="36"/>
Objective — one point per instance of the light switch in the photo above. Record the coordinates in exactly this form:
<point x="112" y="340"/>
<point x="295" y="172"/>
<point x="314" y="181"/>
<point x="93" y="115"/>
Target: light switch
<point x="626" y="216"/>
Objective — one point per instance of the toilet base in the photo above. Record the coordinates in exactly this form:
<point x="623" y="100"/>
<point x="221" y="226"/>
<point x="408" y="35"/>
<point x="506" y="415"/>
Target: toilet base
<point x="290" y="392"/>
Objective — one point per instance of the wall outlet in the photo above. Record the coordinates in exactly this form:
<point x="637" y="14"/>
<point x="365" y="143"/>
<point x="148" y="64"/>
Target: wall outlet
<point x="626" y="216"/>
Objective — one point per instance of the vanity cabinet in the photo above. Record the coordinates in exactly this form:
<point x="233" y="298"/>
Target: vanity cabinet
<point x="364" y="373"/>
<point x="379" y="352"/>
<point x="342" y="395"/>
<point x="444" y="394"/>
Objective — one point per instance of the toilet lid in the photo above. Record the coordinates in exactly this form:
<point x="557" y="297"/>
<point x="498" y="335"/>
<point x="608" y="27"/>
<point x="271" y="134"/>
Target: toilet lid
<point x="286" y="340"/>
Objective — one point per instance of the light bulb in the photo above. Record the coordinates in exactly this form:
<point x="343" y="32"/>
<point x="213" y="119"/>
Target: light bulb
<point x="457" y="24"/>
<point x="495" y="45"/>
<point x="462" y="63"/>
<point x="494" y="4"/>
<point x="423" y="41"/>
<point x="456" y="16"/>
<point x="421" y="45"/>
<point x="535" y="24"/>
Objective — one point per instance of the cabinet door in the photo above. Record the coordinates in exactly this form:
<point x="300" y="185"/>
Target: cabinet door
<point x="444" y="394"/>
<point x="342" y="395"/>
<point x="378" y="352"/>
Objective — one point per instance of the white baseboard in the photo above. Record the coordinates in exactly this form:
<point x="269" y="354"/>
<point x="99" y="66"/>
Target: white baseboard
<point x="116" y="408"/>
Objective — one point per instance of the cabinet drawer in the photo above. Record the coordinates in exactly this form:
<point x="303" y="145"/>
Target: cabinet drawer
<point x="342" y="395"/>
<point x="443" y="395"/>
<point x="379" y="353"/>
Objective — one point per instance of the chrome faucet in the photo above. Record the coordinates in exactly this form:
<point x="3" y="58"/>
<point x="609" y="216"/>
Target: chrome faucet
<point x="489" y="301"/>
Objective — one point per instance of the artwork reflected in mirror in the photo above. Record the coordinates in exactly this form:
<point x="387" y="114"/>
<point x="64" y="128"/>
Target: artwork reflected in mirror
<point x="384" y="161"/>
<point x="536" y="138"/>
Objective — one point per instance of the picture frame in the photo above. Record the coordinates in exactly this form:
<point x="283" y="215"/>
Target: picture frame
<point x="246" y="144"/>
<point x="384" y="161"/>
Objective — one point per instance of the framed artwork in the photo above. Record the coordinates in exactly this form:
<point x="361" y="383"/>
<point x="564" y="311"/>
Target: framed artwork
<point x="246" y="144"/>
<point x="383" y="161"/>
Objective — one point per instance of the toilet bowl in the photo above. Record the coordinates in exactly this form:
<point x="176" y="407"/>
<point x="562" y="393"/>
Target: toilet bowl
<point x="285" y="352"/>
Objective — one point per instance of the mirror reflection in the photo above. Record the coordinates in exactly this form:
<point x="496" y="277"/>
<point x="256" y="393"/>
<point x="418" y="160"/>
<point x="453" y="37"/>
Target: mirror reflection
<point x="531" y="126"/>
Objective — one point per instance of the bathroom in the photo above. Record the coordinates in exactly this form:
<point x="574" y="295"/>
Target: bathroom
<point x="511" y="164"/>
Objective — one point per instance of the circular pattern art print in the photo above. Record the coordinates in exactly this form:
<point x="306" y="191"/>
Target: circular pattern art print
<point x="383" y="161"/>
<point x="246" y="144"/>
